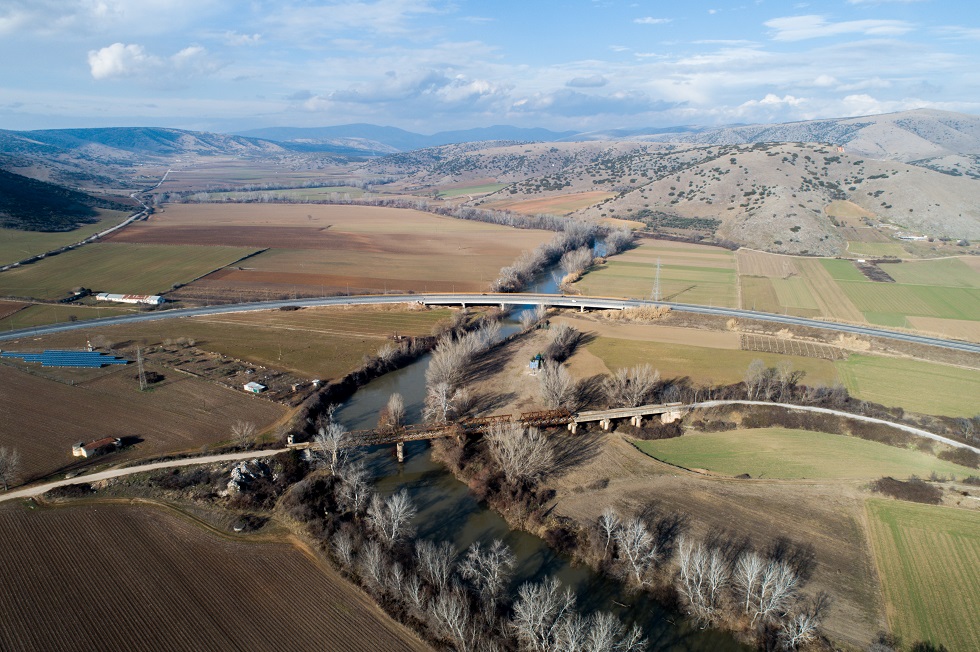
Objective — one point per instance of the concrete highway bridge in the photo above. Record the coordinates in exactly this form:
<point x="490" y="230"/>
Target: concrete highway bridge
<point x="581" y="303"/>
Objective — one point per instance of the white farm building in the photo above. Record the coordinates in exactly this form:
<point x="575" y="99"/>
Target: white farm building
<point x="147" y="299"/>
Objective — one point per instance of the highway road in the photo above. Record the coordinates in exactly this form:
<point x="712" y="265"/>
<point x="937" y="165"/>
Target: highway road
<point x="515" y="299"/>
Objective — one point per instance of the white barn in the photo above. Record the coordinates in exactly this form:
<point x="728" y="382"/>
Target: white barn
<point x="147" y="299"/>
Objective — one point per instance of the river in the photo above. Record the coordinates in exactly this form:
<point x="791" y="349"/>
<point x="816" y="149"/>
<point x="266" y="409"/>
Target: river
<point x="447" y="512"/>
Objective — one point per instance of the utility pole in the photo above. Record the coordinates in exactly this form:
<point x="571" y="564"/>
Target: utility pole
<point x="655" y="295"/>
<point x="139" y="364"/>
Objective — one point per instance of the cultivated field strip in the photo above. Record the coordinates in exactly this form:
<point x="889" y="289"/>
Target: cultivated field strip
<point x="767" y="344"/>
<point x="368" y="322"/>
<point x="928" y="559"/>
<point x="154" y="581"/>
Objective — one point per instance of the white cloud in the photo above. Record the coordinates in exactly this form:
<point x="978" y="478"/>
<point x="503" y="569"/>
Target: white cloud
<point x="650" y="20"/>
<point x="825" y="81"/>
<point x="798" y="28"/>
<point x="235" y="39"/>
<point x="121" y="60"/>
<point x="772" y="100"/>
<point x="78" y="17"/>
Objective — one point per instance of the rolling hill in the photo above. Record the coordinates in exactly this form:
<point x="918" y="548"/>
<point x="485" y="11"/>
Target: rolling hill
<point x="30" y="205"/>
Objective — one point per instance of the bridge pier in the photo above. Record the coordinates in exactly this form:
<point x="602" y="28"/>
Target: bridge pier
<point x="605" y="424"/>
<point x="503" y="307"/>
<point x="572" y="427"/>
<point x="581" y="308"/>
<point x="637" y="421"/>
<point x="400" y="451"/>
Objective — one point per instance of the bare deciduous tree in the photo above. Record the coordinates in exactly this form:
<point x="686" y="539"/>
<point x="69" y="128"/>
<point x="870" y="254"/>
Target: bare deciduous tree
<point x="638" y="549"/>
<point x="488" y="570"/>
<point x="801" y="627"/>
<point x="392" y="417"/>
<point x="618" y="240"/>
<point x="415" y="592"/>
<point x="354" y="491"/>
<point x="9" y="466"/>
<point x="576" y="261"/>
<point x="439" y="406"/>
<point x="556" y="385"/>
<point x="451" y="610"/>
<point x="776" y="589"/>
<point x="435" y="562"/>
<point x="545" y="620"/>
<point x="631" y="386"/>
<point x="564" y="338"/>
<point x="342" y="544"/>
<point x="540" y="612"/>
<point x="243" y="433"/>
<point x="747" y="578"/>
<point x="523" y="454"/>
<point x="754" y="376"/>
<point x="373" y="563"/>
<point x="702" y="575"/>
<point x="608" y="524"/>
<point x="329" y="445"/>
<point x="390" y="516"/>
<point x="387" y="355"/>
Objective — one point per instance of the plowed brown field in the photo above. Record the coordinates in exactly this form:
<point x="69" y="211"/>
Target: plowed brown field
<point x="121" y="577"/>
<point x="329" y="249"/>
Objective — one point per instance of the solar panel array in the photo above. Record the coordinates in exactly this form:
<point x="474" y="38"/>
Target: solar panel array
<point x="59" y="358"/>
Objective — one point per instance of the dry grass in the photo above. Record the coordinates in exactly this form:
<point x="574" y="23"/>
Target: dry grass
<point x="42" y="418"/>
<point x="123" y="577"/>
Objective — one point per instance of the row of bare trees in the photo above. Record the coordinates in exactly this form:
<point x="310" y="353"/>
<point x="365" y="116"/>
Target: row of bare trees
<point x="457" y="599"/>
<point x="515" y="277"/>
<point x="446" y="398"/>
<point x="717" y="585"/>
<point x="9" y="466"/>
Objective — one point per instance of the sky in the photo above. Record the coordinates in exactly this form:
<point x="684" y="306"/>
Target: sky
<point x="433" y="65"/>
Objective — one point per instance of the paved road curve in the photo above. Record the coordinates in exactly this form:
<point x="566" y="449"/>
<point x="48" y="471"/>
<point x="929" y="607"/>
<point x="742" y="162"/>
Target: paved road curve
<point x="517" y="299"/>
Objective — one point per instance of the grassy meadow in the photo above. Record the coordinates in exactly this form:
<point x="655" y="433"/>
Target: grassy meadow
<point x="781" y="453"/>
<point x="701" y="364"/>
<point x="928" y="558"/>
<point x="688" y="274"/>
<point x="117" y="268"/>
<point x="39" y="314"/>
<point x="17" y="245"/>
<point x="912" y="384"/>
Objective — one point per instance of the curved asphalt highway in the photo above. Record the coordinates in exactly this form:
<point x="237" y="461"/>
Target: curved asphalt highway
<point x="489" y="299"/>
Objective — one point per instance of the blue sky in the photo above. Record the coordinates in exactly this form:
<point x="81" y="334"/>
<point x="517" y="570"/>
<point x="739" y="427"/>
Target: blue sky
<point x="430" y="65"/>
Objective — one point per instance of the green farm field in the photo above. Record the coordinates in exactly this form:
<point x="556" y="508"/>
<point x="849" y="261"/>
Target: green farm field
<point x="40" y="314"/>
<point x="912" y="384"/>
<point x="928" y="558"/>
<point x="780" y="453"/>
<point x="17" y="245"/>
<point x="324" y="343"/>
<point x="701" y="364"/>
<point x="688" y="274"/>
<point x="118" y="268"/>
